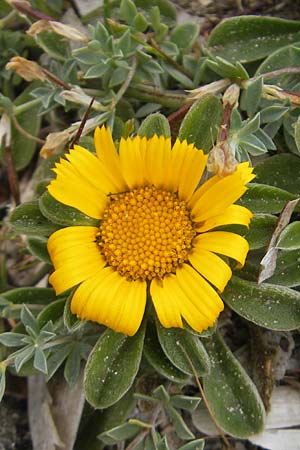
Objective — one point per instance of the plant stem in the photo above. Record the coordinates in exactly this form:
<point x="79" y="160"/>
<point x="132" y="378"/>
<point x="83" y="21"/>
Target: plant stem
<point x="168" y="99"/>
<point x="26" y="106"/>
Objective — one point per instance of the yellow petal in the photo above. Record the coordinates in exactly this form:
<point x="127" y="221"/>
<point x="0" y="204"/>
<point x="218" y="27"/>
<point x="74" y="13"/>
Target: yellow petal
<point x="191" y="172"/>
<point x="133" y="160"/>
<point x="211" y="266"/>
<point x="234" y="214"/>
<point x="111" y="300"/>
<point x="165" y="303"/>
<point x="190" y="296"/>
<point x="218" y="194"/>
<point x="71" y="189"/>
<point x="107" y="153"/>
<point x="92" y="169"/>
<point x="75" y="256"/>
<point x="158" y="156"/>
<point x="225" y="243"/>
<point x="178" y="155"/>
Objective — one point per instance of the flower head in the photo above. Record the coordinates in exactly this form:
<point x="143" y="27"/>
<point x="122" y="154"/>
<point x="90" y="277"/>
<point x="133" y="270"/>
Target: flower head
<point x="155" y="235"/>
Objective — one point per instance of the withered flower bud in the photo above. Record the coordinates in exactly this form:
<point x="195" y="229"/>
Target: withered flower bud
<point x="221" y="160"/>
<point x="25" y="68"/>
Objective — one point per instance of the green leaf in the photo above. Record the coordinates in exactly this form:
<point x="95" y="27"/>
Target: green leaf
<point x="120" y="433"/>
<point x="183" y="79"/>
<point x="157" y="358"/>
<point x="249" y="38"/>
<point x="53" y="312"/>
<point x="27" y="218"/>
<point x="287" y="272"/>
<point x="23" y="148"/>
<point x="260" y="230"/>
<point x="101" y="421"/>
<point x="72" y="366"/>
<point x="155" y="124"/>
<point x="128" y="11"/>
<point x="2" y="382"/>
<point x="287" y="56"/>
<point x="252" y="145"/>
<point x="118" y="76"/>
<point x="177" y="343"/>
<point x="281" y="171"/>
<point x="40" y="361"/>
<point x="230" y="393"/>
<point x="28" y="295"/>
<point x="22" y="356"/>
<point x="112" y="367"/>
<point x="260" y="198"/>
<point x="200" y="125"/>
<point x="57" y="357"/>
<point x="253" y="95"/>
<point x="268" y="305"/>
<point x="96" y="71"/>
<point x="297" y="133"/>
<point x="185" y="402"/>
<point x="251" y="126"/>
<point x="290" y="237"/>
<point x="185" y="35"/>
<point x="180" y="426"/>
<point x="272" y="113"/>
<point x="53" y="44"/>
<point x="10" y="339"/>
<point x="140" y="23"/>
<point x="62" y="214"/>
<point x="71" y="321"/>
<point x="29" y="321"/>
<point x="38" y="247"/>
<point x="197" y="444"/>
<point x="226" y="69"/>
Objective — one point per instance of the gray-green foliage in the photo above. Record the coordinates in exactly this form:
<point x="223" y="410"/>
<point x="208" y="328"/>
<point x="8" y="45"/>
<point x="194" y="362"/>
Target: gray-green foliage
<point x="137" y="62"/>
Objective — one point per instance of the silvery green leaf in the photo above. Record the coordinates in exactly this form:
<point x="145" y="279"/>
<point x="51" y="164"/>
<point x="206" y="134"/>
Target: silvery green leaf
<point x="120" y="433"/>
<point x="297" y="133"/>
<point x="280" y="171"/>
<point x="57" y="357"/>
<point x="10" y="339"/>
<point x="2" y="382"/>
<point x="232" y="37"/>
<point x="265" y="138"/>
<point x="128" y="11"/>
<point x="250" y="127"/>
<point x="185" y="35"/>
<point x="267" y="305"/>
<point x="22" y="356"/>
<point x="273" y="113"/>
<point x="253" y="145"/>
<point x="235" y="120"/>
<point x="232" y="396"/>
<point x="197" y="444"/>
<point x="96" y="71"/>
<point x="72" y="365"/>
<point x="253" y="95"/>
<point x="261" y="198"/>
<point x="226" y="69"/>
<point x="183" y="79"/>
<point x="40" y="361"/>
<point x="100" y="33"/>
<point x="185" y="402"/>
<point x="161" y="394"/>
<point x="179" y="424"/>
<point x="28" y="320"/>
<point x="289" y="238"/>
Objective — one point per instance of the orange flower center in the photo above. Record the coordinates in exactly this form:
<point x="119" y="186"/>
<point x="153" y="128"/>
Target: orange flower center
<point x="146" y="233"/>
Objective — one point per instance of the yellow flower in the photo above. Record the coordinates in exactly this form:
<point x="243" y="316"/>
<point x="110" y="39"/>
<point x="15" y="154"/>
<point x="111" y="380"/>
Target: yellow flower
<point x="154" y="234"/>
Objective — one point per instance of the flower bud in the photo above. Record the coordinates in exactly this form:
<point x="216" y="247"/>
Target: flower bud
<point x="29" y="70"/>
